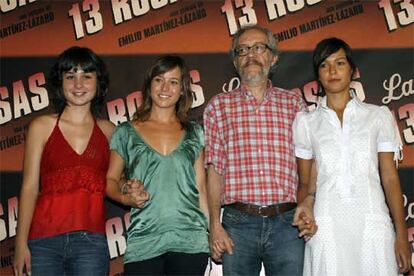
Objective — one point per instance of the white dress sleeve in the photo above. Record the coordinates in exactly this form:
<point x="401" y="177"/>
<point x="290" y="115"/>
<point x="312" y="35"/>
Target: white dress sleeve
<point x="389" y="139"/>
<point x="301" y="137"/>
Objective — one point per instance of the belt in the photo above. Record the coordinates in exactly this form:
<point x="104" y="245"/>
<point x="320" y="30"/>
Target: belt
<point x="264" y="211"/>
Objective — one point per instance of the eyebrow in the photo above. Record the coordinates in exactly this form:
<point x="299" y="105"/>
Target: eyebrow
<point x="257" y="42"/>
<point x="173" y="78"/>
<point x="78" y="72"/>
<point x="341" y="57"/>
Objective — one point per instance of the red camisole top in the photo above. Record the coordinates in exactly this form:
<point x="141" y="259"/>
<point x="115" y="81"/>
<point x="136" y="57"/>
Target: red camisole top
<point x="72" y="186"/>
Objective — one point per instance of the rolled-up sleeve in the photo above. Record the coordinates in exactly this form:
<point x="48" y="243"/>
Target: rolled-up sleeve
<point x="214" y="147"/>
<point x="388" y="139"/>
<point x="301" y="137"/>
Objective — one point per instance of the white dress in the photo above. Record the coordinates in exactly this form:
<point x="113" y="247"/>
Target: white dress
<point x="355" y="233"/>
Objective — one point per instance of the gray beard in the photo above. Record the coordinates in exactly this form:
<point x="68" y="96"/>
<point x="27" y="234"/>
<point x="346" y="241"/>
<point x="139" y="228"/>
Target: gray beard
<point x="256" y="78"/>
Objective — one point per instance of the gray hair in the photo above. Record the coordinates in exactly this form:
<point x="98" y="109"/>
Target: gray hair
<point x="270" y="39"/>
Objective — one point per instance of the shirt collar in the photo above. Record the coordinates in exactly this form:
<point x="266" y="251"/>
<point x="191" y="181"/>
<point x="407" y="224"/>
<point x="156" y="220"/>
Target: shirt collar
<point x="355" y="101"/>
<point x="246" y="93"/>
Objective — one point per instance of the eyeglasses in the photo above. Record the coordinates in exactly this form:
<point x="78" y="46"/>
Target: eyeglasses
<point x="258" y="48"/>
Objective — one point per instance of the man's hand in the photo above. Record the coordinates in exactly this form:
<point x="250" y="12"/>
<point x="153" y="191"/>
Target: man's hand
<point x="305" y="222"/>
<point x="220" y="242"/>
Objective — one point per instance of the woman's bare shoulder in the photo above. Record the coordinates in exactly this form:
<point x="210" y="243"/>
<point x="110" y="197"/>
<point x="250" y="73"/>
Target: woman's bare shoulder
<point x="43" y="122"/>
<point x="41" y="127"/>
<point x="106" y="126"/>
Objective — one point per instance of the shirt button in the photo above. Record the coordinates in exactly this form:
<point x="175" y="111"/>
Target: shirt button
<point x="261" y="172"/>
<point x="259" y="150"/>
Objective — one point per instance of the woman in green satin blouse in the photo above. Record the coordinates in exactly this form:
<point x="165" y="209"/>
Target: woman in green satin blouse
<point x="162" y="149"/>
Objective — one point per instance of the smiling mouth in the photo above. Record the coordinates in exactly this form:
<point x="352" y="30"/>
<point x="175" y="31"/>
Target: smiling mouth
<point x="79" y="94"/>
<point x="162" y="96"/>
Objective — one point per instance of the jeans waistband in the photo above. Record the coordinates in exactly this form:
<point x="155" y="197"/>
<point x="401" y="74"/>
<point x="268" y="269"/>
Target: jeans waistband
<point x="264" y="211"/>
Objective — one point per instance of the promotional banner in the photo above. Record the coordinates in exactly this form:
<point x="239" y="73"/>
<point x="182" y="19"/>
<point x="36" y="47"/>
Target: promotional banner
<point x="130" y="34"/>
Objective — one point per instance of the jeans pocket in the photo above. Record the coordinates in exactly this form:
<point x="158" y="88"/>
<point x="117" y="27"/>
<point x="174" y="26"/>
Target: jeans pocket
<point x="233" y="217"/>
<point x="287" y="217"/>
<point x="96" y="239"/>
<point x="39" y="240"/>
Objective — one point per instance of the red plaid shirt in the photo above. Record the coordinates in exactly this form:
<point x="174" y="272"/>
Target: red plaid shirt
<point x="250" y="144"/>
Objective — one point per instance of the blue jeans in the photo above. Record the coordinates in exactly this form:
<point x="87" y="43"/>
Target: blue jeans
<point x="74" y="253"/>
<point x="272" y="241"/>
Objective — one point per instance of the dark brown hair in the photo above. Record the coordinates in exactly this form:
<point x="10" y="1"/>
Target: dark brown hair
<point x="73" y="58"/>
<point x="323" y="50"/>
<point x="162" y="65"/>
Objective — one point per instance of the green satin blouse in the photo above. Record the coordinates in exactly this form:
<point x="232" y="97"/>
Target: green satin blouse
<point x="172" y="219"/>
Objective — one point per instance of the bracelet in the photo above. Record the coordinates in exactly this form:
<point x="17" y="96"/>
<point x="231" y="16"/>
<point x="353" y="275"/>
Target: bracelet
<point x="124" y="188"/>
<point x="313" y="194"/>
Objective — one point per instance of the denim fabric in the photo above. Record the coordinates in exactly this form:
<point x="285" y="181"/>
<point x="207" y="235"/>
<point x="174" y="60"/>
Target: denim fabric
<point x="75" y="253"/>
<point x="272" y="241"/>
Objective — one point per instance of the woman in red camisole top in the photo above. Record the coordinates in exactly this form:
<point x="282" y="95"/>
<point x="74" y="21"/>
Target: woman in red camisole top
<point x="61" y="219"/>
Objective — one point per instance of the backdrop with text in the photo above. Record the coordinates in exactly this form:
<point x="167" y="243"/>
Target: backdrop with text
<point x="130" y="34"/>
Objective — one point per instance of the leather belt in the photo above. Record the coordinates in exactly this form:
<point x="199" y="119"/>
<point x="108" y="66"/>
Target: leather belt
<point x="264" y="211"/>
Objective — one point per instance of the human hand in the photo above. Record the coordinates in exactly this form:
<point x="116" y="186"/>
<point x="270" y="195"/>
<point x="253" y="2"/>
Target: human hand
<point x="135" y="194"/>
<point x="402" y="254"/>
<point x="220" y="242"/>
<point x="305" y="222"/>
<point x="131" y="186"/>
<point x="22" y="259"/>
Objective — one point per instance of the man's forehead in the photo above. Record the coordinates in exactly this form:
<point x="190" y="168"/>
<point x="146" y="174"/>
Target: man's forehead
<point x="252" y="36"/>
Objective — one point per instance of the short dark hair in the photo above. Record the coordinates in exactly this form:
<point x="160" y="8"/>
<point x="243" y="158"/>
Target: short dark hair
<point x="270" y="39"/>
<point x="85" y="59"/>
<point x="323" y="50"/>
<point x="162" y="65"/>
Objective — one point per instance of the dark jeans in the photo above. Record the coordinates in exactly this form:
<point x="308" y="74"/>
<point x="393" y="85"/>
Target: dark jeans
<point x="272" y="241"/>
<point x="170" y="263"/>
<point x="75" y="253"/>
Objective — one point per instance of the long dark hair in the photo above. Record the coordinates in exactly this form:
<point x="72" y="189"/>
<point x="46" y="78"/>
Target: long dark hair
<point x="323" y="50"/>
<point x="81" y="58"/>
<point x="162" y="65"/>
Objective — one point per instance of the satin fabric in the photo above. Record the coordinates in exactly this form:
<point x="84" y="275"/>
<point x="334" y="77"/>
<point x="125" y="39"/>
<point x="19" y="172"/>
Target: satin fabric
<point x="172" y="219"/>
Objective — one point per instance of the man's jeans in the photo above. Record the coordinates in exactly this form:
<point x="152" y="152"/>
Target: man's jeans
<point x="272" y="241"/>
<point x="75" y="253"/>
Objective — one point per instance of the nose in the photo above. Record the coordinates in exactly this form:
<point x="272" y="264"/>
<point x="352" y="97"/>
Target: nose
<point x="78" y="82"/>
<point x="250" y="52"/>
<point x="164" y="86"/>
<point x="332" y="69"/>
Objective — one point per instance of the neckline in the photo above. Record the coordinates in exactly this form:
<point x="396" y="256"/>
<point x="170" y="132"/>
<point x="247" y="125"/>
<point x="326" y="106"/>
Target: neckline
<point x="178" y="146"/>
<point x="70" y="146"/>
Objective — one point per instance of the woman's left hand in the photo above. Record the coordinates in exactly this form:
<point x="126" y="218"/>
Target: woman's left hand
<point x="305" y="222"/>
<point x="403" y="254"/>
<point x="136" y="196"/>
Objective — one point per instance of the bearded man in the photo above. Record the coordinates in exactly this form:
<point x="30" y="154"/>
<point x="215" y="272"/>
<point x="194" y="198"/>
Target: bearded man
<point x="252" y="167"/>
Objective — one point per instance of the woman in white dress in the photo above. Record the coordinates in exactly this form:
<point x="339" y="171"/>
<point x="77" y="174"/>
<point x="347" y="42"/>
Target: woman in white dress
<point x="354" y="146"/>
